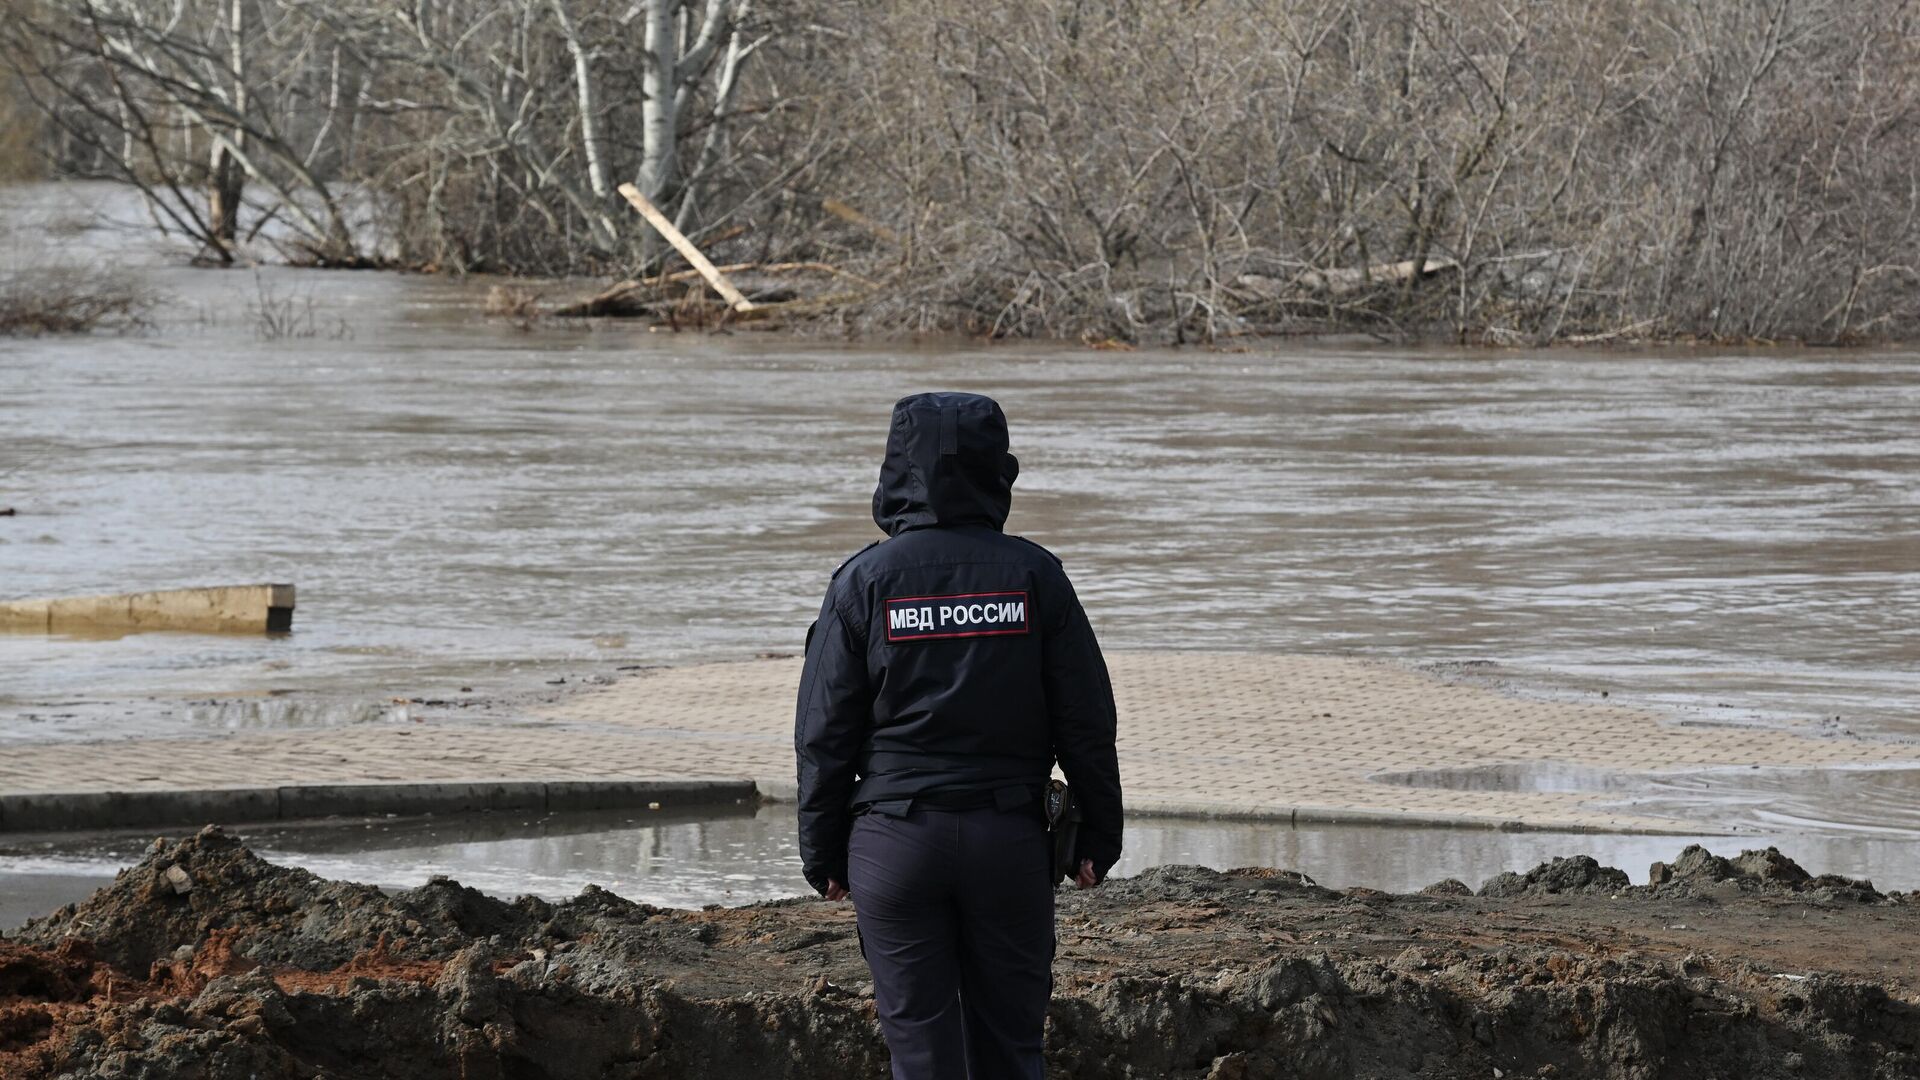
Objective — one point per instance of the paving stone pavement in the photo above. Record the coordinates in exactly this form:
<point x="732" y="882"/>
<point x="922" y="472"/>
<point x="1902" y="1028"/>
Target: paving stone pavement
<point x="1230" y="733"/>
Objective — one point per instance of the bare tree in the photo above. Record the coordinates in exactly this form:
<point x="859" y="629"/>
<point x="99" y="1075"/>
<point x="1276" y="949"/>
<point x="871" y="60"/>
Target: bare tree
<point x="142" y="83"/>
<point x="436" y="116"/>
<point x="1502" y="171"/>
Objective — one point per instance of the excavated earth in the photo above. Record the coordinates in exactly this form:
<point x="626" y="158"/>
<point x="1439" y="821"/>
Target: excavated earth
<point x="206" y="961"/>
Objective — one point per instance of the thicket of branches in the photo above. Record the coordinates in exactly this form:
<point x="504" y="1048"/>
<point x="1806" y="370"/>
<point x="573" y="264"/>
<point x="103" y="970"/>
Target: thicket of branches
<point x="460" y="134"/>
<point x="1495" y="170"/>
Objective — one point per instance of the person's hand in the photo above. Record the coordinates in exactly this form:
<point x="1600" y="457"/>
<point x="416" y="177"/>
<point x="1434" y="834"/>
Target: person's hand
<point x="1085" y="879"/>
<point x="837" y="891"/>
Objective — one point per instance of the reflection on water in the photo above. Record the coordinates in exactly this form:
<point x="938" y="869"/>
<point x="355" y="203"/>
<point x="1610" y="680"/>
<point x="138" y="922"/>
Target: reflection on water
<point x="1861" y="800"/>
<point x="742" y="857"/>
<point x="462" y="503"/>
<point x="1864" y="801"/>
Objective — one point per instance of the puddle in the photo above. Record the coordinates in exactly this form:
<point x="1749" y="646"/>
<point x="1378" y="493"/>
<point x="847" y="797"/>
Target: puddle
<point x="738" y="858"/>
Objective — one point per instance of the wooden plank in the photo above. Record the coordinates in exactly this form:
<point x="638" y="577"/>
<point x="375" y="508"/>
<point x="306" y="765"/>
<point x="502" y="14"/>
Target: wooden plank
<point x="629" y="297"/>
<point x="685" y="247"/>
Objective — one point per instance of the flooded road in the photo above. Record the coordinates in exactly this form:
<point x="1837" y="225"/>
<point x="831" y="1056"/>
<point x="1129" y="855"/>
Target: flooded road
<point x="462" y="503"/>
<point x="738" y="858"/>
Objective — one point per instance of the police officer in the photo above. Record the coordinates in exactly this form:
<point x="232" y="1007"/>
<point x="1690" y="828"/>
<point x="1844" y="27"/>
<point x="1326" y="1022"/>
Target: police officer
<point x="950" y="667"/>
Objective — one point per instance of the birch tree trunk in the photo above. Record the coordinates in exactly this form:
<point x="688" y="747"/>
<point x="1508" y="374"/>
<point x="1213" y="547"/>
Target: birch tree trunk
<point x="592" y="142"/>
<point x="226" y="179"/>
<point x="717" y="131"/>
<point x="658" y="122"/>
<point x="592" y="127"/>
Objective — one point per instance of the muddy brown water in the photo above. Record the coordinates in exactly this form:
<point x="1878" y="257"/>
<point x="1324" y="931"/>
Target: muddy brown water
<point x="1727" y="536"/>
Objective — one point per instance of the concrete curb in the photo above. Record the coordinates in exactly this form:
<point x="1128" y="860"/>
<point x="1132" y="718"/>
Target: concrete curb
<point x="1341" y="815"/>
<point x="55" y="811"/>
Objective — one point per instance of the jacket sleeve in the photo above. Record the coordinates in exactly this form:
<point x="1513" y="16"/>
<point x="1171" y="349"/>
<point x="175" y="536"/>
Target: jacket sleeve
<point x="829" y="725"/>
<point x="1084" y="723"/>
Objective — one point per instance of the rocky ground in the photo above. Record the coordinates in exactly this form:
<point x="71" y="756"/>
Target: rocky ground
<point x="205" y="961"/>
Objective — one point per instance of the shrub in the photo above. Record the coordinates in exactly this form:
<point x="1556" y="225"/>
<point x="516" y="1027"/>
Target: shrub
<point x="72" y="300"/>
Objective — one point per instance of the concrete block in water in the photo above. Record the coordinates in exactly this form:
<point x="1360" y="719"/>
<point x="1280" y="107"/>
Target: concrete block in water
<point x="225" y="609"/>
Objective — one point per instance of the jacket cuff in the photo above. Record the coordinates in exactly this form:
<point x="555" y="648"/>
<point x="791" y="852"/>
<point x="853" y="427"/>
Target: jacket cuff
<point x="818" y="877"/>
<point x="1102" y="862"/>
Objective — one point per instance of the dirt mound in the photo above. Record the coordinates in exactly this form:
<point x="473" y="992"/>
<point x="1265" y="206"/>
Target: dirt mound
<point x="1699" y="871"/>
<point x="1577" y="875"/>
<point x="256" y="970"/>
<point x="1200" y="883"/>
<point x="183" y="893"/>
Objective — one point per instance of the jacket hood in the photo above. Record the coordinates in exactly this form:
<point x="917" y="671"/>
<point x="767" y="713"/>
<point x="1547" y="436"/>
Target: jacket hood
<point x="946" y="464"/>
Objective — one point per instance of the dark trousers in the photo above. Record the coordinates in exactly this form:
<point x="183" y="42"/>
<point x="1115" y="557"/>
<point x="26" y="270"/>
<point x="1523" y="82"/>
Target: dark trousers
<point x="956" y="919"/>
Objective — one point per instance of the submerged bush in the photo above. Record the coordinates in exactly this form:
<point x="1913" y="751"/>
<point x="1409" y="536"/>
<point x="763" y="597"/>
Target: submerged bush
<point x="67" y="300"/>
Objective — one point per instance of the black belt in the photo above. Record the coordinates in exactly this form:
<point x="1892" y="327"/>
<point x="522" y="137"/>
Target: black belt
<point x="1000" y="798"/>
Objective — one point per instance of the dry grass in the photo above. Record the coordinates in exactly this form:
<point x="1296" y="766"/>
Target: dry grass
<point x="513" y="302"/>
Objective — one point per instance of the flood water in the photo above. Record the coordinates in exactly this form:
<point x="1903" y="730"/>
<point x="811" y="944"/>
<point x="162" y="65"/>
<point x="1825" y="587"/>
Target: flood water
<point x="1728" y="536"/>
<point x="744" y="856"/>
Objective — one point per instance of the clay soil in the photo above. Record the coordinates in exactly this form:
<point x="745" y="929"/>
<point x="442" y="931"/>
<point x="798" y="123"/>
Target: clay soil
<point x="205" y="961"/>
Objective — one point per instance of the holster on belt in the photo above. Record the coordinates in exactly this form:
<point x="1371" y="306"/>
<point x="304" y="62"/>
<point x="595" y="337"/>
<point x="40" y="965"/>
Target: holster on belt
<point x="1063" y="827"/>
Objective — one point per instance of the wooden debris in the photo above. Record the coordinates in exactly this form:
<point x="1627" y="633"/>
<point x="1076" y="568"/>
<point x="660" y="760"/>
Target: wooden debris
<point x="641" y="297"/>
<point x="647" y="298"/>
<point x="1340" y="281"/>
<point x="685" y="247"/>
<point x="854" y="217"/>
<point x="1609" y="335"/>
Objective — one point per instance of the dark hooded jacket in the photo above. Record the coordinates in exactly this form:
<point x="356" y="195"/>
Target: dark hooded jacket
<point x="950" y="660"/>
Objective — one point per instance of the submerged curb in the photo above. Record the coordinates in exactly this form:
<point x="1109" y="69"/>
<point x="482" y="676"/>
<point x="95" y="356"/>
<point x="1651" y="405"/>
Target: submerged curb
<point x="67" y="810"/>
<point x="782" y="790"/>
<point x="1338" y="815"/>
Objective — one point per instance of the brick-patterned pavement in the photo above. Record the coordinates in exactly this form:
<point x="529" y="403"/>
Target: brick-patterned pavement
<point x="1238" y="733"/>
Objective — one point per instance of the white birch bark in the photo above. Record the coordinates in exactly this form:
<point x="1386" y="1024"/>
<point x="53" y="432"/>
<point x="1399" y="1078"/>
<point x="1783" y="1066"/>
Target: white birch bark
<point x="590" y="136"/>
<point x="658" y="120"/>
<point x="724" y="86"/>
